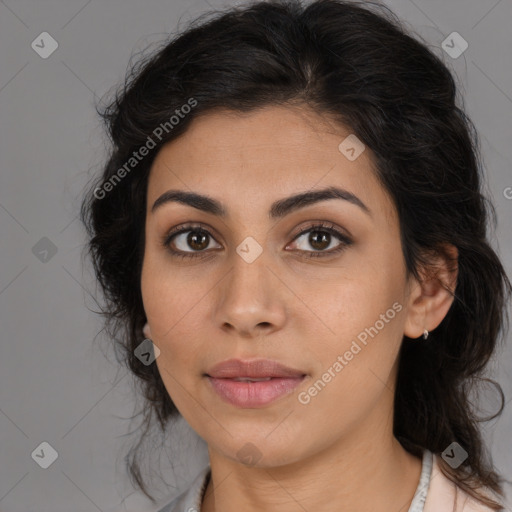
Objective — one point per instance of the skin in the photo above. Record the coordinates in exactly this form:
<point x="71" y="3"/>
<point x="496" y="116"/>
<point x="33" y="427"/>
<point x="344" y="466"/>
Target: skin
<point x="336" y="452"/>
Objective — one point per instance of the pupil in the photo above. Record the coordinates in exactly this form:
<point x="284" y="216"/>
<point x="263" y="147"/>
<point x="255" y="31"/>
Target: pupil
<point x="192" y="240"/>
<point x="324" y="237"/>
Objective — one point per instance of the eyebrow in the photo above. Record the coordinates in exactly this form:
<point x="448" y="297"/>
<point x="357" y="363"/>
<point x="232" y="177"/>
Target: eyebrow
<point x="278" y="209"/>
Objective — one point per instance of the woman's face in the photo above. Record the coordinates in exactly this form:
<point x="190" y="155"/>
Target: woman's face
<point x="247" y="288"/>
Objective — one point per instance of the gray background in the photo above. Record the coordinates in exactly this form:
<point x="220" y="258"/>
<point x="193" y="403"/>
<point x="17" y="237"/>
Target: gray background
<point x="56" y="383"/>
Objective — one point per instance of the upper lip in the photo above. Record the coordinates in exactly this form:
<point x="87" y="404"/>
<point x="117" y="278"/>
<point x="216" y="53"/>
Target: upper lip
<point x="256" y="368"/>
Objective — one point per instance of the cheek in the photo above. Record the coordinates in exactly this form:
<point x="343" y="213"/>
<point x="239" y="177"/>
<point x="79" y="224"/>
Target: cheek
<point x="354" y="363"/>
<point x="175" y="311"/>
<point x="166" y="296"/>
<point x="353" y="298"/>
<point x="360" y="318"/>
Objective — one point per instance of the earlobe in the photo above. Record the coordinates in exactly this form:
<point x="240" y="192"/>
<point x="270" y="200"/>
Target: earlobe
<point x="146" y="331"/>
<point x="432" y="298"/>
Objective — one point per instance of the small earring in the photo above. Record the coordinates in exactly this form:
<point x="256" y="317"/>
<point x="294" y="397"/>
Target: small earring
<point x="146" y="331"/>
<point x="425" y="334"/>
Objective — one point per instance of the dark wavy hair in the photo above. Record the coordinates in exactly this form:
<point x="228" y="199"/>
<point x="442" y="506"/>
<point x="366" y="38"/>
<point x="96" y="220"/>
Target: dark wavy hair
<point x="356" y="63"/>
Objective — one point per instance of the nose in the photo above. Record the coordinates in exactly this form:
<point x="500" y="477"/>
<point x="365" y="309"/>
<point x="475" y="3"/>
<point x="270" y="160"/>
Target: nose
<point x="251" y="300"/>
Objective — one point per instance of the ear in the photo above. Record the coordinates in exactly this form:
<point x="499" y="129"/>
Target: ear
<point x="431" y="297"/>
<point x="146" y="331"/>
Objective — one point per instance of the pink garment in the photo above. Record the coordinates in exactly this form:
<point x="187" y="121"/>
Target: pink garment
<point x="444" y="496"/>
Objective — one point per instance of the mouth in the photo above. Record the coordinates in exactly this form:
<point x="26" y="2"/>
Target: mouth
<point x="253" y="384"/>
<point x="247" y="379"/>
<point x="246" y="393"/>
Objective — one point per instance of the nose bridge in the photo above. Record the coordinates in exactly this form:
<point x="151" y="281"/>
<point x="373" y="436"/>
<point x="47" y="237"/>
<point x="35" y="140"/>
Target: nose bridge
<point x="248" y="280"/>
<point x="248" y="295"/>
<point x="252" y="254"/>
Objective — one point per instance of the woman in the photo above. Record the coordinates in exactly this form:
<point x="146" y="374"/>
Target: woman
<point x="291" y="238"/>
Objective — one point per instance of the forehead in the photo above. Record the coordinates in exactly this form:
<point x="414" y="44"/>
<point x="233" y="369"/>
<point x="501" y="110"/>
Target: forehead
<point x="243" y="158"/>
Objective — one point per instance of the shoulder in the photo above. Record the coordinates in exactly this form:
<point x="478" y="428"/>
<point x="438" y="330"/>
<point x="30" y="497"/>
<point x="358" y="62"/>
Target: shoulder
<point x="445" y="496"/>
<point x="190" y="499"/>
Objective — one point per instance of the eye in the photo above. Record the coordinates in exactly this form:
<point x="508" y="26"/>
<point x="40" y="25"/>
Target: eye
<point x="197" y="238"/>
<point x="320" y="238"/>
<point x="179" y="240"/>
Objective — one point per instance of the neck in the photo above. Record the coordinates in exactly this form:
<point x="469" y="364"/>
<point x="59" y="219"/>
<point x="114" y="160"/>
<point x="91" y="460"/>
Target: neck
<point x="364" y="472"/>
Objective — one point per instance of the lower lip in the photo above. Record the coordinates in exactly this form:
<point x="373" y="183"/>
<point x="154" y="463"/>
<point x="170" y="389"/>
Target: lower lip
<point x="254" y="394"/>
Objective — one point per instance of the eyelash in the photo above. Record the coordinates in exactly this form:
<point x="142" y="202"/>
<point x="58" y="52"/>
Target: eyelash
<point x="322" y="227"/>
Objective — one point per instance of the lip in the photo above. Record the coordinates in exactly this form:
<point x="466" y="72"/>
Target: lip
<point x="255" y="368"/>
<point x="282" y="380"/>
